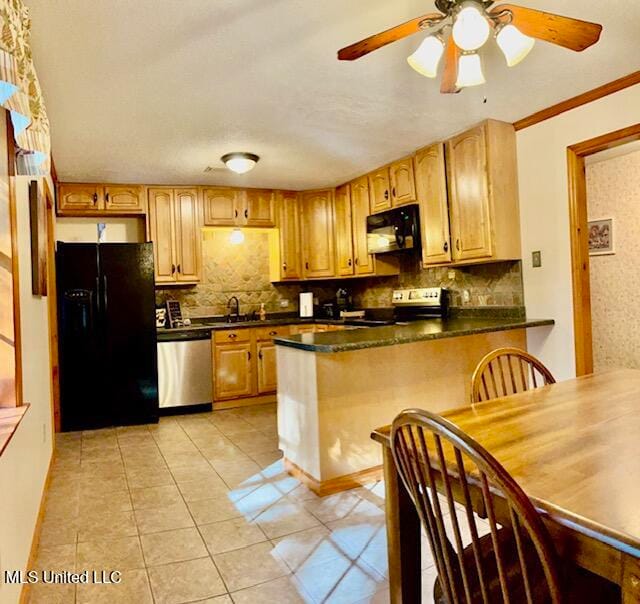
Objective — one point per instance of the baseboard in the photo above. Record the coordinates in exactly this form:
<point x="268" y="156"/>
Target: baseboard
<point x="35" y="541"/>
<point x="333" y="485"/>
<point x="245" y="402"/>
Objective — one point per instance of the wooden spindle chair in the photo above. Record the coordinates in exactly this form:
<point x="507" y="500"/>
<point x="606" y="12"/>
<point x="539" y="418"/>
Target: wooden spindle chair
<point x="507" y="371"/>
<point x="516" y="561"/>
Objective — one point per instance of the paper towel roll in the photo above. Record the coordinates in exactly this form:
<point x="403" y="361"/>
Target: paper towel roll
<point x="306" y="304"/>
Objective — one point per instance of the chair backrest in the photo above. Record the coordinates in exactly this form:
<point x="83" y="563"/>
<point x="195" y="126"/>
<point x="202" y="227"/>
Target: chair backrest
<point x="434" y="456"/>
<point x="507" y="371"/>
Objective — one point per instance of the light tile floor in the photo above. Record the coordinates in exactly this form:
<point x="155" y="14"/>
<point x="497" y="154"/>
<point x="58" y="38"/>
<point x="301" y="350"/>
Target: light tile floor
<point x="199" y="509"/>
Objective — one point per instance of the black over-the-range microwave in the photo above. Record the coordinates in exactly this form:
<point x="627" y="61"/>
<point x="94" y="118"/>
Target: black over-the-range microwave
<point x="393" y="231"/>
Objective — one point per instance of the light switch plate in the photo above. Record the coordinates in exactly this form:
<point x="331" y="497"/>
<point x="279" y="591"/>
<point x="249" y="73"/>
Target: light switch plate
<point x="536" y="259"/>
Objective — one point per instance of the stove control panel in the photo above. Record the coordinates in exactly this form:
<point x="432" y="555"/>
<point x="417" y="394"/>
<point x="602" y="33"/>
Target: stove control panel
<point x="422" y="296"/>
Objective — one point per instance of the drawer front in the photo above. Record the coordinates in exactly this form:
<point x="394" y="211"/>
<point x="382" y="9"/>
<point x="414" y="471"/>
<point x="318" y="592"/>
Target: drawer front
<point x="226" y="336"/>
<point x="268" y="333"/>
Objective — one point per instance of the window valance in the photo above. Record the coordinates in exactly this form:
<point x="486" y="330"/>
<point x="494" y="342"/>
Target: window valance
<point x="20" y="91"/>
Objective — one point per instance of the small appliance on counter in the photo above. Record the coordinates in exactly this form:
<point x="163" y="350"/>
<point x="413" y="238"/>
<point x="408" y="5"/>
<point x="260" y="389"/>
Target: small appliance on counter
<point x="161" y="317"/>
<point x="421" y="303"/>
<point x="306" y="305"/>
<point x="394" y="231"/>
<point x="174" y="314"/>
<point x="344" y="301"/>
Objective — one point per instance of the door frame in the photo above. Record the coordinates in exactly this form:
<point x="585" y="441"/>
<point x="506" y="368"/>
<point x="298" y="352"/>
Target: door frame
<point x="579" y="234"/>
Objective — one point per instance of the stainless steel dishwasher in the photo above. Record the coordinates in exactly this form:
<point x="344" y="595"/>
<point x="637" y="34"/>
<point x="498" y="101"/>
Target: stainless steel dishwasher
<point x="185" y="371"/>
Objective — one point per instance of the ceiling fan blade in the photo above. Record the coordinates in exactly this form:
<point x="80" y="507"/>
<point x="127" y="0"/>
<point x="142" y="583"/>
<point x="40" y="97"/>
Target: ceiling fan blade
<point x="450" y="74"/>
<point x="563" y="31"/>
<point x="364" y="47"/>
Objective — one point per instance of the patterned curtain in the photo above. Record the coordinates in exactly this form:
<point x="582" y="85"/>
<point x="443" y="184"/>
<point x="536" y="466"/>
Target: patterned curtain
<point x="20" y="91"/>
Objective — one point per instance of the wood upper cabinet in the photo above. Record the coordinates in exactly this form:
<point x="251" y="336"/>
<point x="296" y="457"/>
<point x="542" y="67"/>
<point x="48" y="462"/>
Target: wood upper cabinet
<point x="290" y="243"/>
<point x="483" y="193"/>
<point x="344" y="236"/>
<point x="174" y="227"/>
<point x="161" y="224"/>
<point x="431" y="188"/>
<point x="267" y="369"/>
<point x="187" y="236"/>
<point x="379" y="190"/>
<point x="469" y="195"/>
<point x="258" y="210"/>
<point x="75" y="199"/>
<point x="402" y="181"/>
<point x="221" y="206"/>
<point x="364" y="263"/>
<point x="318" y="233"/>
<point x="79" y="198"/>
<point x="124" y="199"/>
<point x="233" y="371"/>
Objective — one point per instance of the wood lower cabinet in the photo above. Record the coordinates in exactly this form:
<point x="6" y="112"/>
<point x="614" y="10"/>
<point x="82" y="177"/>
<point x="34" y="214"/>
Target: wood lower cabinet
<point x="379" y="190"/>
<point x="344" y="235"/>
<point x="318" y="234"/>
<point x="483" y="193"/>
<point x="234" y="371"/>
<point x="288" y="203"/>
<point x="402" y="181"/>
<point x="79" y="199"/>
<point x="431" y="188"/>
<point x="267" y="369"/>
<point x="174" y="223"/>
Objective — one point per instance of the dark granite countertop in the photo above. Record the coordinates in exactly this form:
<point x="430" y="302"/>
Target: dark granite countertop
<point x="389" y="335"/>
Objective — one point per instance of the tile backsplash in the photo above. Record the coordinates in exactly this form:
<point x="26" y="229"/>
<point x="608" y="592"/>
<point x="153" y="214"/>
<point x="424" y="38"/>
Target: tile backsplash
<point x="243" y="270"/>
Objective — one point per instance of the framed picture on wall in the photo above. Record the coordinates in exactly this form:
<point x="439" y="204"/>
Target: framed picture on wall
<point x="601" y="237"/>
<point x="37" y="211"/>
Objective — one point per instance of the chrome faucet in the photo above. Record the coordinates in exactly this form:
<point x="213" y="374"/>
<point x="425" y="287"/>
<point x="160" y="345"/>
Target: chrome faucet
<point x="237" y="305"/>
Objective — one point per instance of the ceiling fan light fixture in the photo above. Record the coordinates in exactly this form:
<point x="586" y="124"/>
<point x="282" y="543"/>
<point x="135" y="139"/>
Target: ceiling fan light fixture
<point x="514" y="44"/>
<point x="426" y="58"/>
<point x="471" y="28"/>
<point x="470" y="70"/>
<point x="240" y="162"/>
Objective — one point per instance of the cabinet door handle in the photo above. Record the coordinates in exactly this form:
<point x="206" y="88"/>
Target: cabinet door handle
<point x="445" y="247"/>
<point x="284" y="267"/>
<point x="458" y="244"/>
<point x="233" y="336"/>
<point x="273" y="333"/>
<point x="249" y="355"/>
<point x="259" y="355"/>
<point x="95" y="198"/>
<point x="173" y="269"/>
<point x="246" y="214"/>
<point x="236" y="213"/>
<point x="356" y="261"/>
<point x="306" y="265"/>
<point x="179" y="270"/>
<point x="106" y="196"/>
<point x="393" y="192"/>
<point x="350" y="262"/>
<point x="386" y="194"/>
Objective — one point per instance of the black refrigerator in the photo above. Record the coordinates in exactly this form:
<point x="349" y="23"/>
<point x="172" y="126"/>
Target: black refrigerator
<point x="107" y="335"/>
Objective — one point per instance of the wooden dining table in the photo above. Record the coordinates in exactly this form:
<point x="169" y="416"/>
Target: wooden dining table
<point x="574" y="447"/>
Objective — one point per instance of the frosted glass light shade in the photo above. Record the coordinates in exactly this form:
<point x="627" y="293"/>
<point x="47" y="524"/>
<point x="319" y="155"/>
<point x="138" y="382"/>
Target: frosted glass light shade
<point x="237" y="237"/>
<point x="426" y="58"/>
<point x="514" y="44"/>
<point x="471" y="28"/>
<point x="469" y="71"/>
<point x="240" y="163"/>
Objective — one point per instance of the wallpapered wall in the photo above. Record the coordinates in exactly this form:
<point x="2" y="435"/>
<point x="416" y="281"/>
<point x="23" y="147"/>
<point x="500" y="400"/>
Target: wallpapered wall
<point x="243" y="271"/>
<point x="613" y="190"/>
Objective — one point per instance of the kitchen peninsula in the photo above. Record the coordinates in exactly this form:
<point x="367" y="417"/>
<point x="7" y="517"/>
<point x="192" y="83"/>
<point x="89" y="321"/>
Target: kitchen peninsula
<point x="334" y="388"/>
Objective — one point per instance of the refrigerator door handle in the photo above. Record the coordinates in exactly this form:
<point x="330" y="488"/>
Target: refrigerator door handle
<point x="105" y="299"/>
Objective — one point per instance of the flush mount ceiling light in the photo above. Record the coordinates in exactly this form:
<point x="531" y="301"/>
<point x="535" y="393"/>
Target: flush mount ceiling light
<point x="462" y="28"/>
<point x="240" y="162"/>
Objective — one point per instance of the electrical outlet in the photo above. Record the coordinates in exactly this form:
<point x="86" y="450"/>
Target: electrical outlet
<point x="536" y="259"/>
<point x="451" y="275"/>
<point x="466" y="296"/>
<point x="284" y="303"/>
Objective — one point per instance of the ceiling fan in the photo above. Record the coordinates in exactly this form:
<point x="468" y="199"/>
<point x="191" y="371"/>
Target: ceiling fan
<point x="462" y="27"/>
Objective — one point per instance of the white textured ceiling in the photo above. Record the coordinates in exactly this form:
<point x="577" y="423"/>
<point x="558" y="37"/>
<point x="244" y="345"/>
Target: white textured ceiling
<point x="154" y="91"/>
